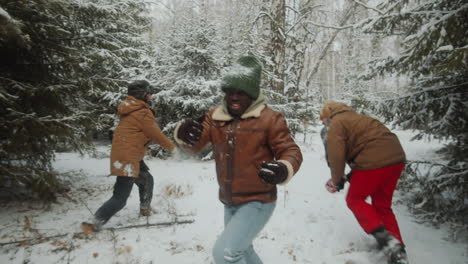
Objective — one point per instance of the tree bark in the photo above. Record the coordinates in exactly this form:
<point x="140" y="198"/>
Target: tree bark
<point x="278" y="44"/>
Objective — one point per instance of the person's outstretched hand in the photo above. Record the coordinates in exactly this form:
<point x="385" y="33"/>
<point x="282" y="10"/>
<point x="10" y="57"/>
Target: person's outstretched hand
<point x="190" y="130"/>
<point x="332" y="187"/>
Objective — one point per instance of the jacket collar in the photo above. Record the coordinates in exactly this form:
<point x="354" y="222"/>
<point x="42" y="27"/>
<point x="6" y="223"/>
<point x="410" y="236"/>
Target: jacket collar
<point x="255" y="109"/>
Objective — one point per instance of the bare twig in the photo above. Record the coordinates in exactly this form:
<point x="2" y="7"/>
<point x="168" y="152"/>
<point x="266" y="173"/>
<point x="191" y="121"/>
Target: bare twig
<point x="114" y="241"/>
<point x="38" y="240"/>
<point x="301" y="17"/>
<point x="368" y="7"/>
<point x="330" y="26"/>
<point x="32" y="241"/>
<point x="261" y="15"/>
<point x="155" y="224"/>
<point x="70" y="248"/>
<point x="86" y="205"/>
<point x="343" y="21"/>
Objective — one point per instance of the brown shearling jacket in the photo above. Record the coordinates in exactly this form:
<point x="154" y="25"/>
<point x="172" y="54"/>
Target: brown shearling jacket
<point x="136" y="129"/>
<point x="361" y="141"/>
<point x="240" y="146"/>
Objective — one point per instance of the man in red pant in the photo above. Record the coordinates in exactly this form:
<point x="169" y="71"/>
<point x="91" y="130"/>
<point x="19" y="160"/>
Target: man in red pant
<point x="377" y="159"/>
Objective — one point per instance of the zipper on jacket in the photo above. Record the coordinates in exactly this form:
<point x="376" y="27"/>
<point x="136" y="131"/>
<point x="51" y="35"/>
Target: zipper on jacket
<point x="230" y="164"/>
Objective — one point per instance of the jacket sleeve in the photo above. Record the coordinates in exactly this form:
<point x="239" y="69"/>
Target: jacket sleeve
<point x="283" y="146"/>
<point x="336" y="150"/>
<point x="151" y="130"/>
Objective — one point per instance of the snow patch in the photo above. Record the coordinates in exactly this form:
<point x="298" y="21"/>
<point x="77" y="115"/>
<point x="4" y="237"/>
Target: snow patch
<point x="445" y="48"/>
<point x="128" y="169"/>
<point x="5" y="14"/>
<point x="117" y="165"/>
<point x="239" y="70"/>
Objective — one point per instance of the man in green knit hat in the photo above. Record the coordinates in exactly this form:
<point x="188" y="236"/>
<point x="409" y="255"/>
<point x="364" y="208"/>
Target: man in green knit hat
<point x="253" y="150"/>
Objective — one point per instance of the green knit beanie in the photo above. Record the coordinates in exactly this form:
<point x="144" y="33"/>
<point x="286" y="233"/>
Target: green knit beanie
<point x="244" y="75"/>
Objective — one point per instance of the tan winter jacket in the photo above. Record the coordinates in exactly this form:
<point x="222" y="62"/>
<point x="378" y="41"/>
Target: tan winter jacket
<point x="137" y="127"/>
<point x="240" y="146"/>
<point x="362" y="142"/>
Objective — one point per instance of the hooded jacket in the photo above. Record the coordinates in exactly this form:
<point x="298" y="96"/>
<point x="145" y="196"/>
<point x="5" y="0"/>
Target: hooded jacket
<point x="362" y="142"/>
<point x="136" y="129"/>
<point x="241" y="145"/>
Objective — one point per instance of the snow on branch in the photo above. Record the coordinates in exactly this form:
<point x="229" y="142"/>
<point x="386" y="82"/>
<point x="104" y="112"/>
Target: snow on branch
<point x="331" y="26"/>
<point x="10" y="31"/>
<point x="434" y="22"/>
<point x="262" y="14"/>
<point x="301" y="17"/>
<point x="368" y="7"/>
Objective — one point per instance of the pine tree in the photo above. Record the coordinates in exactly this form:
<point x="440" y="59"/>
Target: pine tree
<point x="434" y="56"/>
<point x="115" y="50"/>
<point x="38" y="97"/>
<point x="58" y="59"/>
<point x="188" y="72"/>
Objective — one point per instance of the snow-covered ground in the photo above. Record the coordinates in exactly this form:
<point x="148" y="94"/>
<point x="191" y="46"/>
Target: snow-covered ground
<point x="309" y="225"/>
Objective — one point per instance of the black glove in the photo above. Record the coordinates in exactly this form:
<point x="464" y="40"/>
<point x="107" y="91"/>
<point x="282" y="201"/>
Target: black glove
<point x="273" y="172"/>
<point x="345" y="178"/>
<point x="340" y="185"/>
<point x="190" y="130"/>
<point x="332" y="187"/>
<point x="348" y="175"/>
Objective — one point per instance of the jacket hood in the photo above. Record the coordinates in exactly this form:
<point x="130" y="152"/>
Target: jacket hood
<point x="221" y="113"/>
<point x="332" y="108"/>
<point x="130" y="104"/>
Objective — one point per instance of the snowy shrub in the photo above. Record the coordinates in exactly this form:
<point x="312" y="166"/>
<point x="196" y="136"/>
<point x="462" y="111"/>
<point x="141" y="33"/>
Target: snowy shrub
<point x="436" y="192"/>
<point x="173" y="191"/>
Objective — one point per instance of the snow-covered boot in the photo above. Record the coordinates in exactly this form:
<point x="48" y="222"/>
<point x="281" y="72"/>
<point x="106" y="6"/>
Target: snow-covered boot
<point x="398" y="255"/>
<point x="392" y="247"/>
<point x="383" y="237"/>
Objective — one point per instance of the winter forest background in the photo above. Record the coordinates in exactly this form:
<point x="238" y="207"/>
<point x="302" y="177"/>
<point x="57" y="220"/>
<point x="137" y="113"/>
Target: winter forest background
<point x="65" y="64"/>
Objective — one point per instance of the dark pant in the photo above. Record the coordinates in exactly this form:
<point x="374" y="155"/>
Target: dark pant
<point x="122" y="188"/>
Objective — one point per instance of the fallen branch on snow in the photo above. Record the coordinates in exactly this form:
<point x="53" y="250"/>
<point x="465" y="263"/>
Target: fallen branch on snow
<point x="41" y="239"/>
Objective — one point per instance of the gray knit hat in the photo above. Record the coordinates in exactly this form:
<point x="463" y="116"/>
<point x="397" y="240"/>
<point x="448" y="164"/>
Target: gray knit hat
<point x="139" y="89"/>
<point x="244" y="75"/>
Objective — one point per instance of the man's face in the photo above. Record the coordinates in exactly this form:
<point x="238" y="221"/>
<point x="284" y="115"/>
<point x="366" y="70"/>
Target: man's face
<point x="148" y="97"/>
<point x="237" y="102"/>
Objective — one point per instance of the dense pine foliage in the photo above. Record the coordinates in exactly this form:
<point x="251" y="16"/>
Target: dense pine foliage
<point x="60" y="59"/>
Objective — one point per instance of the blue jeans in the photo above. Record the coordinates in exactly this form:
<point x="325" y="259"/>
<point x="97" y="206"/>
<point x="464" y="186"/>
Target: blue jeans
<point x="242" y="224"/>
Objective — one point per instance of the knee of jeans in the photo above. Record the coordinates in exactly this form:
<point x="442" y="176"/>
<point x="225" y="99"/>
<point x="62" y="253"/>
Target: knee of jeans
<point x="223" y="254"/>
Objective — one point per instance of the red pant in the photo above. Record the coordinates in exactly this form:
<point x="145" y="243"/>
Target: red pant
<point x="379" y="184"/>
